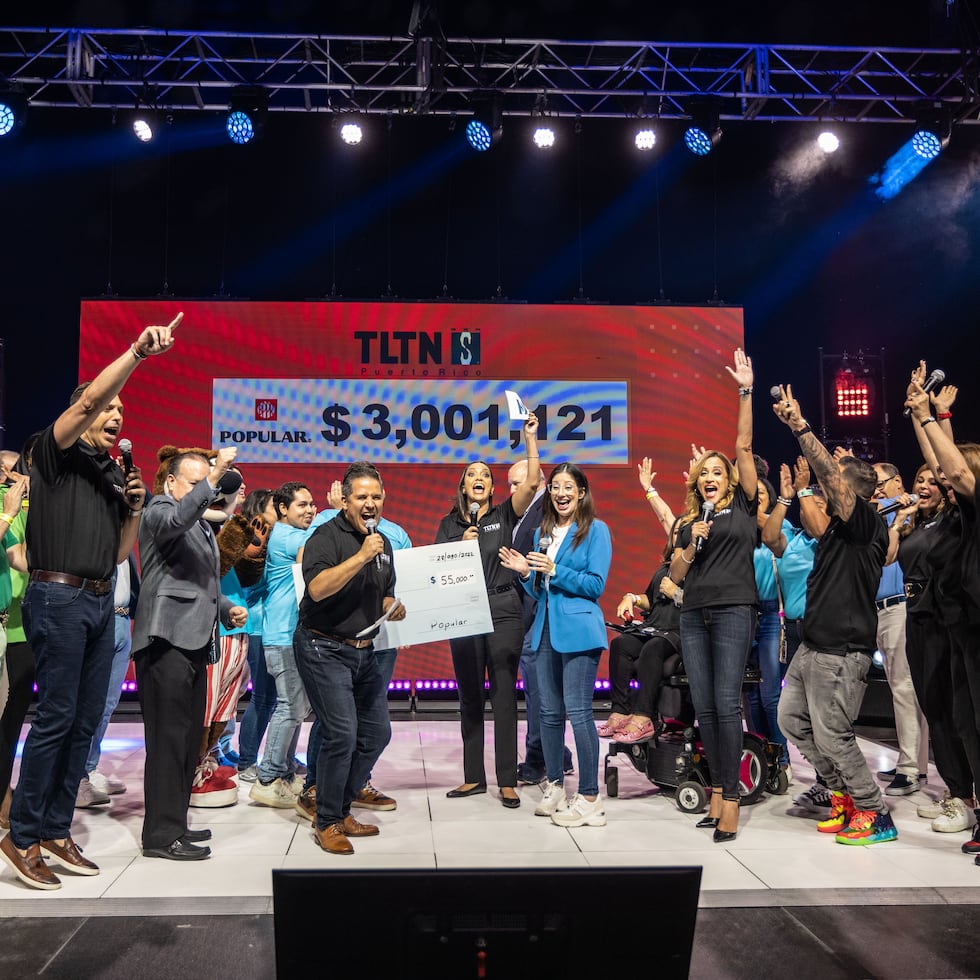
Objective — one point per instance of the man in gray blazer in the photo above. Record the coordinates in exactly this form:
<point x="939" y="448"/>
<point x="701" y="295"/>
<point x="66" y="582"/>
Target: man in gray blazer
<point x="173" y="637"/>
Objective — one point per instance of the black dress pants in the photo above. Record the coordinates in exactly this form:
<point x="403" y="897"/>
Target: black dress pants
<point x="173" y="689"/>
<point x="964" y="644"/>
<point x="643" y="658"/>
<point x="495" y="656"/>
<point x="927" y="647"/>
<point x="20" y="684"/>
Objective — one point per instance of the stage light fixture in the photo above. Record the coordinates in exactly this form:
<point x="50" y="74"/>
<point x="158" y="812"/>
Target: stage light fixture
<point x="246" y="114"/>
<point x="544" y="137"/>
<point x="828" y="141"/>
<point x="704" y="133"/>
<point x="854" y="392"/>
<point x="932" y="132"/>
<point x="645" y="138"/>
<point x="351" y="133"/>
<point x="484" y="129"/>
<point x="13" y="110"/>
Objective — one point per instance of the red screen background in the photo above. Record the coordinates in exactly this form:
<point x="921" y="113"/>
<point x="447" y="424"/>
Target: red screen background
<point x="672" y="358"/>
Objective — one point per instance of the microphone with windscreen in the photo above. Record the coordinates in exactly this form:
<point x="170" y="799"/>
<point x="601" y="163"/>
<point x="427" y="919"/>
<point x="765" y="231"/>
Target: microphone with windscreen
<point x="898" y="505"/>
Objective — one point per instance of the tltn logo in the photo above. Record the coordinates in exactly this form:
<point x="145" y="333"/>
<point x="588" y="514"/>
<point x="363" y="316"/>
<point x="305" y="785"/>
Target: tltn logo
<point x="266" y="409"/>
<point x="466" y="347"/>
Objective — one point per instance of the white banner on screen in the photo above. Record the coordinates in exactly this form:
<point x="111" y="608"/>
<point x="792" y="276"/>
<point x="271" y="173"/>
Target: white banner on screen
<point x="418" y="420"/>
<point x="444" y="592"/>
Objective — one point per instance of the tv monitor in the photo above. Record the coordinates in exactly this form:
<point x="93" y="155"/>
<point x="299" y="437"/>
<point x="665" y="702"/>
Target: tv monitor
<point x="507" y="923"/>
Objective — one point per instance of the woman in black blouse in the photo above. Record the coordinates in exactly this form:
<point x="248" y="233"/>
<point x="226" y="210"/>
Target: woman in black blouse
<point x="713" y="563"/>
<point x="496" y="655"/>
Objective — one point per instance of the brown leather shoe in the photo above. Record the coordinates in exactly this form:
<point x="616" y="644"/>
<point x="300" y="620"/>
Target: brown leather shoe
<point x="69" y="856"/>
<point x="333" y="840"/>
<point x="354" y="828"/>
<point x="29" y="867"/>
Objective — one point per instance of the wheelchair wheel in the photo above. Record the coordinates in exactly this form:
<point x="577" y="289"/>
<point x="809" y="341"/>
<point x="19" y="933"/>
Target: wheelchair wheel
<point x="753" y="769"/>
<point x="778" y="785"/>
<point x="691" y="797"/>
<point x="612" y="781"/>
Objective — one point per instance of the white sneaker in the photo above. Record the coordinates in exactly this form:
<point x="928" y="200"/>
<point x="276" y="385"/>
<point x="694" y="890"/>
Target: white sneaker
<point x="816" y="799"/>
<point x="276" y="794"/>
<point x="581" y="812"/>
<point x="956" y="816"/>
<point x="929" y="811"/>
<point x="88" y="796"/>
<point x="106" y="783"/>
<point x="553" y="800"/>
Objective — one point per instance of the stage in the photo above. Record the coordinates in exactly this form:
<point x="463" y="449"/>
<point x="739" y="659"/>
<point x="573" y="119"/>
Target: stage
<point x="781" y="899"/>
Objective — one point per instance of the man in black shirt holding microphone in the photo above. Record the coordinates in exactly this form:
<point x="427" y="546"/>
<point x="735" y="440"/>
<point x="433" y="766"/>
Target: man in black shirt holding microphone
<point x="350" y="582"/>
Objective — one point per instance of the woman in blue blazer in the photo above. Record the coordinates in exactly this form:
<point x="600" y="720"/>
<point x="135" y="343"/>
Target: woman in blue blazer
<point x="567" y="573"/>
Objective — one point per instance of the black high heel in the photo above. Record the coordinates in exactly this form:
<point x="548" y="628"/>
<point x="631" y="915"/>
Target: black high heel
<point x="709" y="822"/>
<point x="724" y="836"/>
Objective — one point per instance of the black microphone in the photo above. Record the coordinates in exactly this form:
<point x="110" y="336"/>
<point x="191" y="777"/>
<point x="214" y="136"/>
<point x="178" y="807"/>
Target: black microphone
<point x="544" y="543"/>
<point x="228" y="483"/>
<point x="474" y="510"/>
<point x="372" y="526"/>
<point x="126" y="451"/>
<point x="933" y="381"/>
<point x="707" y="509"/>
<point x="898" y="505"/>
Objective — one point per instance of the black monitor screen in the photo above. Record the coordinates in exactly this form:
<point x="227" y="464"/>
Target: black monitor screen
<point x="490" y="924"/>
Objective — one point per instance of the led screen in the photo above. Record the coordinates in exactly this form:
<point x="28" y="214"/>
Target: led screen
<point x="302" y="389"/>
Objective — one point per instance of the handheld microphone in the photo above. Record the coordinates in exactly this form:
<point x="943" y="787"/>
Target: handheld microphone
<point x="474" y="510"/>
<point x="126" y="451"/>
<point x="372" y="527"/>
<point x="544" y="543"/>
<point x="935" y="379"/>
<point x="774" y="393"/>
<point x="898" y="505"/>
<point x="707" y="509"/>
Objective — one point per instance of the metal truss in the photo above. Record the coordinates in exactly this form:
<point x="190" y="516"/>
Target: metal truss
<point x="434" y="75"/>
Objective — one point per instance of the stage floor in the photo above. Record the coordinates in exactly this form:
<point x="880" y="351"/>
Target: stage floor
<point x="781" y="900"/>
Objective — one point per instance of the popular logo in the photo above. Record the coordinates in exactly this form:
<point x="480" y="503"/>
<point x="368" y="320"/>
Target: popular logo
<point x="266" y="409"/>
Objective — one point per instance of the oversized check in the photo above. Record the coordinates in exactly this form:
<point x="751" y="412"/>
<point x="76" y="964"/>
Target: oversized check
<point x="445" y="595"/>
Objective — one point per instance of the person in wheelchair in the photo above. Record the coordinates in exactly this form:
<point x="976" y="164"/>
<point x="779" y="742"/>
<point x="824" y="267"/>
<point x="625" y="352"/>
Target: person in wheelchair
<point x="643" y="646"/>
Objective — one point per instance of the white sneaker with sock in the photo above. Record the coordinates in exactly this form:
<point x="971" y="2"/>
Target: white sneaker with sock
<point x="553" y="800"/>
<point x="581" y="812"/>
<point x="105" y="783"/>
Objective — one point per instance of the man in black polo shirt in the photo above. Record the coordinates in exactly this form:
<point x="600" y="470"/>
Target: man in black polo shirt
<point x="825" y="682"/>
<point x="84" y="517"/>
<point x="350" y="581"/>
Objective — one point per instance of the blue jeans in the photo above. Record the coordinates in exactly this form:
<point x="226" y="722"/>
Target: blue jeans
<point x="533" y="753"/>
<point x="763" y="698"/>
<point x="386" y="665"/>
<point x="292" y="707"/>
<point x="566" y="683"/>
<point x="71" y="633"/>
<point x="260" y="707"/>
<point x="120" y="664"/>
<point x="344" y="685"/>
<point x="716" y="643"/>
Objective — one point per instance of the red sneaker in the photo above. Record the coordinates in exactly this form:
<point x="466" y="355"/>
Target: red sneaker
<point x="841" y="811"/>
<point x="212" y="790"/>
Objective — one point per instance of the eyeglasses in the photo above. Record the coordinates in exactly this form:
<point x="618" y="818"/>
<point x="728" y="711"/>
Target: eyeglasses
<point x="887" y="480"/>
<point x="568" y="488"/>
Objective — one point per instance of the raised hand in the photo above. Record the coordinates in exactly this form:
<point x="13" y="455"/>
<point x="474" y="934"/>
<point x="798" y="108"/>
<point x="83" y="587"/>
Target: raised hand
<point x="646" y="473"/>
<point x="158" y="340"/>
<point x="742" y="372"/>
<point x="801" y="474"/>
<point x="786" y="488"/>
<point x="787" y="409"/>
<point x="942" y="400"/>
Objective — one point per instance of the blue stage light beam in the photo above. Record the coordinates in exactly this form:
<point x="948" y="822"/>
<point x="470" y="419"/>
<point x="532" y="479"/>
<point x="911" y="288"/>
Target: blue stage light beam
<point x="901" y="167"/>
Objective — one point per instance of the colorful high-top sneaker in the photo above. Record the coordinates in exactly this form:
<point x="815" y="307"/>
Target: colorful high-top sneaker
<point x="841" y="808"/>
<point x="868" y="827"/>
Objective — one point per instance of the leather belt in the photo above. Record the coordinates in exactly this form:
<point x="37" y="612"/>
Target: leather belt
<point x="913" y="589"/>
<point x="351" y="642"/>
<point x="500" y="589"/>
<point x="892" y="600"/>
<point x="98" y="586"/>
<point x="122" y="610"/>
